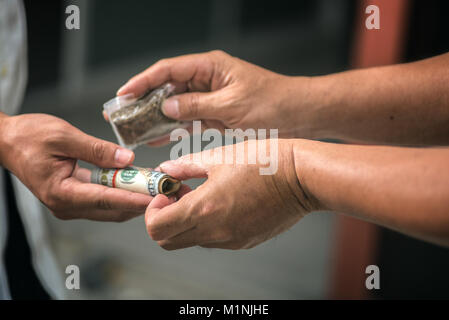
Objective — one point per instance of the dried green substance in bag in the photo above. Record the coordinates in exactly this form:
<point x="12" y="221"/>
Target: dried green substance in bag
<point x="143" y="120"/>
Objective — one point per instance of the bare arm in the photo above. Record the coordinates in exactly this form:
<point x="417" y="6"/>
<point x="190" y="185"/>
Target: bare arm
<point x="404" y="104"/>
<point x="406" y="189"/>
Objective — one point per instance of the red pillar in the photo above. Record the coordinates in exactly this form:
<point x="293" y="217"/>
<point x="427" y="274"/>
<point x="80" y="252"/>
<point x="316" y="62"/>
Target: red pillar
<point x="356" y="241"/>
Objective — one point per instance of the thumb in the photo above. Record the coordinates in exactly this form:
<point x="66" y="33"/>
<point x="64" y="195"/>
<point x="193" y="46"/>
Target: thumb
<point x="99" y="152"/>
<point x="157" y="204"/>
<point x="192" y="106"/>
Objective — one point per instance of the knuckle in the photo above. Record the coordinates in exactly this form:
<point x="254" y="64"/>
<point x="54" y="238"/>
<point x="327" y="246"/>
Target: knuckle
<point x="102" y="203"/>
<point x="218" y="53"/>
<point x="162" y="63"/>
<point x="153" y="230"/>
<point x="193" y="213"/>
<point x="98" y="150"/>
<point x="55" y="202"/>
<point x="249" y="246"/>
<point x="166" y="245"/>
<point x="219" y="235"/>
<point x="61" y="215"/>
<point x="52" y="199"/>
<point x="207" y="208"/>
<point x="227" y="233"/>
<point x="154" y="235"/>
<point x="236" y="245"/>
<point x="122" y="217"/>
<point x="192" y="106"/>
<point x="231" y="232"/>
<point x="56" y="136"/>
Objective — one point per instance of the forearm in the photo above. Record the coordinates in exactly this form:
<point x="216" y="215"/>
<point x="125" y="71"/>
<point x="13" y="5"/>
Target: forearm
<point x="405" y="189"/>
<point x="404" y="104"/>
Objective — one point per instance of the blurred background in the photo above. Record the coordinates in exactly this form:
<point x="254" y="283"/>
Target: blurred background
<point x="73" y="72"/>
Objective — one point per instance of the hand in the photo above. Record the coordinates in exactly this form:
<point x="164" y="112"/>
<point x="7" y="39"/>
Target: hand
<point x="42" y="151"/>
<point x="227" y="92"/>
<point x="235" y="208"/>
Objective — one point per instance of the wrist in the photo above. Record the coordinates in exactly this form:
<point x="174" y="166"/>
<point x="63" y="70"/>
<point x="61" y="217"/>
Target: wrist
<point x="306" y="100"/>
<point x="302" y="154"/>
<point x="297" y="185"/>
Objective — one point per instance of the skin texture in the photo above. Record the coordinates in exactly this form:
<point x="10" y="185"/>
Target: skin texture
<point x="214" y="215"/>
<point x="406" y="104"/>
<point x="238" y="208"/>
<point x="402" y="104"/>
<point x="224" y="92"/>
<point x="44" y="157"/>
<point x="405" y="189"/>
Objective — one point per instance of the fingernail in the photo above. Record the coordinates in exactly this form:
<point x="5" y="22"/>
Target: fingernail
<point x="123" y="156"/>
<point x="164" y="165"/>
<point x="171" y="108"/>
<point x="122" y="89"/>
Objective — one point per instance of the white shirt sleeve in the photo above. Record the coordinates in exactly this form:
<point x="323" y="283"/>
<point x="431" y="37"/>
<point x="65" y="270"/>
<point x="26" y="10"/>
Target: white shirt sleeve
<point x="13" y="55"/>
<point x="13" y="78"/>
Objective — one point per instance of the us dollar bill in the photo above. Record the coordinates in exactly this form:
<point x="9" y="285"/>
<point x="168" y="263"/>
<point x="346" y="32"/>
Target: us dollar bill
<point x="136" y="179"/>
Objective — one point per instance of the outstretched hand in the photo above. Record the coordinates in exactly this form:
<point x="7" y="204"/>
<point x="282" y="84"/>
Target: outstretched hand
<point x="42" y="151"/>
<point x="235" y="208"/>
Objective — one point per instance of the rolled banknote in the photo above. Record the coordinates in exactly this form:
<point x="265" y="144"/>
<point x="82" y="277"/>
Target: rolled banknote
<point x="136" y="179"/>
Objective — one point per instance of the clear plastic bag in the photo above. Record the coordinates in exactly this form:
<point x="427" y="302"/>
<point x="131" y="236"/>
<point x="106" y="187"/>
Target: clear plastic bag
<point x="139" y="121"/>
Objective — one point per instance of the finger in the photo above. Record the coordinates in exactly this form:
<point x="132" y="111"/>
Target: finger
<point x="87" y="196"/>
<point x="180" y="69"/>
<point x="198" y="236"/>
<point x="186" y="239"/>
<point x="229" y="245"/>
<point x="195" y="105"/>
<point x="82" y="174"/>
<point x="165" y="220"/>
<point x="105" y="116"/>
<point x="185" y="189"/>
<point x="184" y="168"/>
<point x="96" y="151"/>
<point x="159" y="202"/>
<point x="108" y="215"/>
